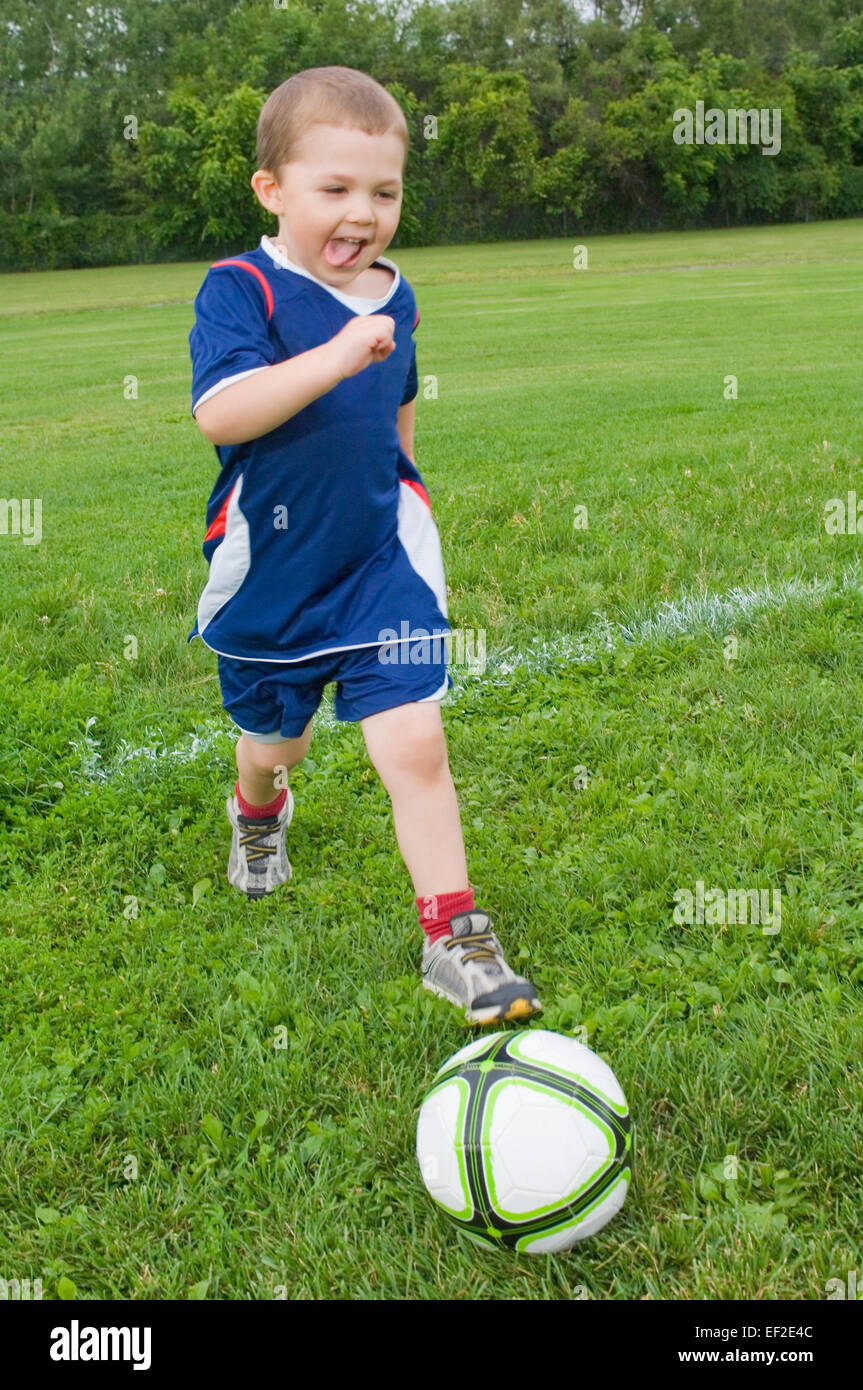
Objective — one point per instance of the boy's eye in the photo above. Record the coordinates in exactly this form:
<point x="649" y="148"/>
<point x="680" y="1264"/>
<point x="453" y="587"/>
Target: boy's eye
<point x="383" y="192"/>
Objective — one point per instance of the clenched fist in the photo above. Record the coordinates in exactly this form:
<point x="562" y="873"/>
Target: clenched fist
<point x="365" y="339"/>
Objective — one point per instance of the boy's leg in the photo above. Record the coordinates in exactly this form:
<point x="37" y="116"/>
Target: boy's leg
<point x="260" y="811"/>
<point x="264" y="698"/>
<point x="259" y="764"/>
<point x="462" y="957"/>
<point x="408" y="748"/>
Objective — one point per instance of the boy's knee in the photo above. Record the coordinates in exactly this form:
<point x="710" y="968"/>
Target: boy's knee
<point x="423" y="755"/>
<point x="267" y="756"/>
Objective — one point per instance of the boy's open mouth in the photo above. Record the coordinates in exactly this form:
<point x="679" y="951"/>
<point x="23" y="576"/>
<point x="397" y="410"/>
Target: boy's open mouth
<point x="343" y="252"/>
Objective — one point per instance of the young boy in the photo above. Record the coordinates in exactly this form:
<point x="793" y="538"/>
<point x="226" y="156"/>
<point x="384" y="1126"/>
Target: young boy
<point x="320" y="538"/>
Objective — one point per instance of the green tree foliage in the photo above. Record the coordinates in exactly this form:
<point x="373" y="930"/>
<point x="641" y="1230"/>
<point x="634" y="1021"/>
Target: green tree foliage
<point x="486" y="146"/>
<point x="127" y="132"/>
<point x="198" y="166"/>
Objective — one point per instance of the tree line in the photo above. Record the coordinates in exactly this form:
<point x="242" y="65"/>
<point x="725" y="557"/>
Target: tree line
<point x="127" y="131"/>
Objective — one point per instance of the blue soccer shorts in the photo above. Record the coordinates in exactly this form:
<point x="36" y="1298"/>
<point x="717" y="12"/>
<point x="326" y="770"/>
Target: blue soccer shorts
<point x="270" y="701"/>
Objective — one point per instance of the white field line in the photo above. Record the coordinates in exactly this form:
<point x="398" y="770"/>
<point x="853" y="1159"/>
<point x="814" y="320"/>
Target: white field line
<point x="717" y="613"/>
<point x="675" y="617"/>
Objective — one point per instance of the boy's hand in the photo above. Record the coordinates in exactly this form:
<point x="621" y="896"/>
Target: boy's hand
<point x="364" y="340"/>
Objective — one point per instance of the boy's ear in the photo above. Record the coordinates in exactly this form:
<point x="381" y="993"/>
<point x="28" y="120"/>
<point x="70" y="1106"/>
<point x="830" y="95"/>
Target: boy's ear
<point x="267" y="191"/>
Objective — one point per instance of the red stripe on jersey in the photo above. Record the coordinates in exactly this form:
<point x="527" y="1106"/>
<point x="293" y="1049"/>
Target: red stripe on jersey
<point x="217" y="525"/>
<point x="259" y="274"/>
<point x="418" y="489"/>
<point x="416" y="320"/>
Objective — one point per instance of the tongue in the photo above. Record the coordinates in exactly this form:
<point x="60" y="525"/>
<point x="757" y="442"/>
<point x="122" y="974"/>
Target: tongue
<point x="339" y="252"/>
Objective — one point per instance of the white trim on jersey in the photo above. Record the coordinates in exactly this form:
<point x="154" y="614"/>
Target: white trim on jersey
<point x="230" y="563"/>
<point x="226" y="381"/>
<point x="418" y="534"/>
<point x="324" y="651"/>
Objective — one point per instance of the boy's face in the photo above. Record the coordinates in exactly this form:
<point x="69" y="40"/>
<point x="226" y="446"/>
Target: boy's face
<point x="342" y="183"/>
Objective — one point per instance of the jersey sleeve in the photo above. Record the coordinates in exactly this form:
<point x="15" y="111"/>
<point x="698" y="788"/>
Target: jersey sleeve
<point x="230" y="338"/>
<point x="412" y="383"/>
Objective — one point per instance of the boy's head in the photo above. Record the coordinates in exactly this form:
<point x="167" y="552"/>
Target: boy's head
<point x="332" y="145"/>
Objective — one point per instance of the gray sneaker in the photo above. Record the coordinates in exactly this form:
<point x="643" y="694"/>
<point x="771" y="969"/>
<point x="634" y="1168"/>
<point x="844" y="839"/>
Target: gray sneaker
<point x="468" y="968"/>
<point x="259" y="861"/>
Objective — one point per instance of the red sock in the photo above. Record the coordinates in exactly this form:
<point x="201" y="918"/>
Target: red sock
<point x="436" y="910"/>
<point x="272" y="808"/>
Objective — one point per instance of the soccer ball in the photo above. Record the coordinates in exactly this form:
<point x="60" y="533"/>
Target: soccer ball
<point x="525" y="1140"/>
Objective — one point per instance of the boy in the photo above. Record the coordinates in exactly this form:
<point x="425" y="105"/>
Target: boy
<point x="321" y="542"/>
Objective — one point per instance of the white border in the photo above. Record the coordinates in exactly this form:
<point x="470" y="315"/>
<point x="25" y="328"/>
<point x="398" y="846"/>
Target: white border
<point x="226" y="381"/>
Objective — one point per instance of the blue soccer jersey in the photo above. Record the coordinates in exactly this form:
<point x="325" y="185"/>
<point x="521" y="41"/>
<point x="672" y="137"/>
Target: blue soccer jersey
<point x="320" y="536"/>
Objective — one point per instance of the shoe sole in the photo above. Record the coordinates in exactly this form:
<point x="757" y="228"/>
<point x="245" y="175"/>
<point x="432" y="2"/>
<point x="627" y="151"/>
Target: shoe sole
<point x="516" y="1011"/>
<point x="264" y="893"/>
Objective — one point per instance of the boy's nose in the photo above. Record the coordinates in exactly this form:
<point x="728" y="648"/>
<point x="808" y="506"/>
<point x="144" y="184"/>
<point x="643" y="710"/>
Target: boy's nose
<point x="362" y="214"/>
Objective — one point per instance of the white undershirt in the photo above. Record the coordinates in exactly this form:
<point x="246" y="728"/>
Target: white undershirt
<point x="359" y="303"/>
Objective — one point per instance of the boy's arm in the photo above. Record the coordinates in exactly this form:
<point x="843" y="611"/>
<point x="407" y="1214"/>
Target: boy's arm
<point x="265" y="400"/>
<point x="271" y="394"/>
<point x="405" y="427"/>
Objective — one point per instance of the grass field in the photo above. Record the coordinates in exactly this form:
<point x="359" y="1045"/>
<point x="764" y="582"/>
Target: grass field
<point x="155" y="1143"/>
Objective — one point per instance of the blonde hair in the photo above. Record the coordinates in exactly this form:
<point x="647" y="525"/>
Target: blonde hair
<point x="328" y="95"/>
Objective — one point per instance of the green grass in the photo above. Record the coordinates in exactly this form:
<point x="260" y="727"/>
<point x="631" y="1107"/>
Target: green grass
<point x="150" y="1037"/>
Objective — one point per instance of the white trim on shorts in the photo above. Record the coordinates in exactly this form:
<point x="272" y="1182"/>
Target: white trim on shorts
<point x="275" y="737"/>
<point x="438" y="695"/>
